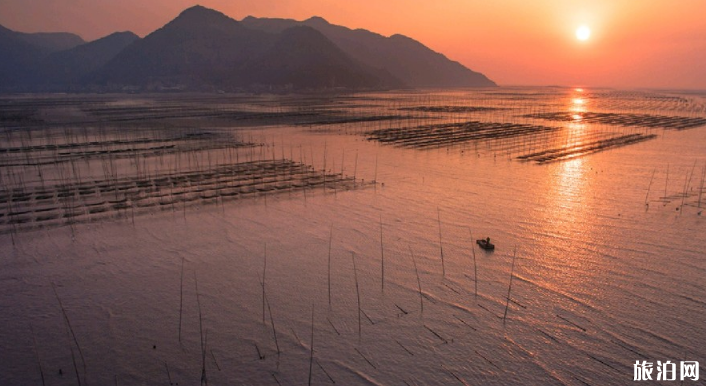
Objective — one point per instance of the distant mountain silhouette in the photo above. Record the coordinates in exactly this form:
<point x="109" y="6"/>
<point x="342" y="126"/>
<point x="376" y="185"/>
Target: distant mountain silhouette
<point x="32" y="62"/>
<point x="70" y="67"/>
<point x="52" y="41"/>
<point x="199" y="47"/>
<point x="16" y="56"/>
<point x="304" y="58"/>
<point x="410" y="61"/>
<point x="205" y="50"/>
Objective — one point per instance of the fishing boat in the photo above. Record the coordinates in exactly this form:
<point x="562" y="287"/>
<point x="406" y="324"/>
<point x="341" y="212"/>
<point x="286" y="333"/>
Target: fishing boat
<point x="486" y="244"/>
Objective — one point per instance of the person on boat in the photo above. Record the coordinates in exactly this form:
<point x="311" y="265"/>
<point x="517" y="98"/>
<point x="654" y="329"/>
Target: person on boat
<point x="487" y="241"/>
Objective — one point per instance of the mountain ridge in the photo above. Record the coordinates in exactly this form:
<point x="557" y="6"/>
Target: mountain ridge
<point x="70" y="66"/>
<point x="206" y="50"/>
<point x="202" y="49"/>
<point x="420" y="68"/>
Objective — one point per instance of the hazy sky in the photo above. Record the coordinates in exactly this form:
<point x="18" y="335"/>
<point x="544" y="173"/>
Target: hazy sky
<point x="633" y="43"/>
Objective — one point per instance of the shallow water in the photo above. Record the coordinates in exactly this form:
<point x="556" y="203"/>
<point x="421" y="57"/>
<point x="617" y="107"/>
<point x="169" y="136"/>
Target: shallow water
<point x="601" y="279"/>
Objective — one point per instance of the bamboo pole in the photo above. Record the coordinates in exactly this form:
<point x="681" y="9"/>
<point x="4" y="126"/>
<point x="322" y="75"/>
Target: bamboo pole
<point x="330" y="240"/>
<point x="475" y="266"/>
<point x="382" y="259"/>
<point x="647" y="196"/>
<point x="666" y="182"/>
<point x="264" y="271"/>
<point x="36" y="353"/>
<point x="357" y="291"/>
<point x="181" y="297"/>
<point x="311" y="353"/>
<point x="441" y="247"/>
<point x="272" y="322"/>
<point x="509" y="288"/>
<point x="73" y="335"/>
<point x="701" y="188"/>
<point x="204" y="379"/>
<point x="419" y="282"/>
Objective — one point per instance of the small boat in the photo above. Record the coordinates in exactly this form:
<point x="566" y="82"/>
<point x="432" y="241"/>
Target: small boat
<point x="486" y="244"/>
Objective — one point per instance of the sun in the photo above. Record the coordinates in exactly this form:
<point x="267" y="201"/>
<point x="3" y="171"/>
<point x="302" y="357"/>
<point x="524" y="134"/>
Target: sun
<point x="583" y="33"/>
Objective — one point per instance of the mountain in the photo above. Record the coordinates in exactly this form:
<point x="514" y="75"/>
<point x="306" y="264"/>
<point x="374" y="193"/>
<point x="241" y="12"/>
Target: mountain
<point x="410" y="61"/>
<point x="21" y="53"/>
<point x="196" y="48"/>
<point x="304" y="58"/>
<point x="205" y="49"/>
<point x="52" y="41"/>
<point x="70" y="66"/>
<point x="17" y="56"/>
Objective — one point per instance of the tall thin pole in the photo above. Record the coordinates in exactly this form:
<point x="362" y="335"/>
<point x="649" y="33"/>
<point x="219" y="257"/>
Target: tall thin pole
<point x="475" y="266"/>
<point x="181" y="297"/>
<point x="264" y="271"/>
<point x="36" y="353"/>
<point x="419" y="282"/>
<point x="509" y="288"/>
<point x="647" y="196"/>
<point x="357" y="291"/>
<point x="330" y="239"/>
<point x="311" y="354"/>
<point x="382" y="258"/>
<point x="666" y="182"/>
<point x="701" y="188"/>
<point x="204" y="379"/>
<point x="441" y="247"/>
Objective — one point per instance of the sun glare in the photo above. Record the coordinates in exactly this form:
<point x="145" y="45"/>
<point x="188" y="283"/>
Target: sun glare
<point x="583" y="33"/>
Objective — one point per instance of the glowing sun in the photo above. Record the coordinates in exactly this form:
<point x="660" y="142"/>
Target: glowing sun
<point x="583" y="33"/>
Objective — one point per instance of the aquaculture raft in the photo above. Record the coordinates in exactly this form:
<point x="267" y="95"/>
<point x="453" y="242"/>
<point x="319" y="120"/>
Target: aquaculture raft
<point x="24" y="208"/>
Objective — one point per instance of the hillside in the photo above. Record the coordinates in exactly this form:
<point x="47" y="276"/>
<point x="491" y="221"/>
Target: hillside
<point x="205" y="50"/>
<point x="411" y="62"/>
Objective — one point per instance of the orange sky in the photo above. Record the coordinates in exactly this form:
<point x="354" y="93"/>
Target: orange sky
<point x="634" y="43"/>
